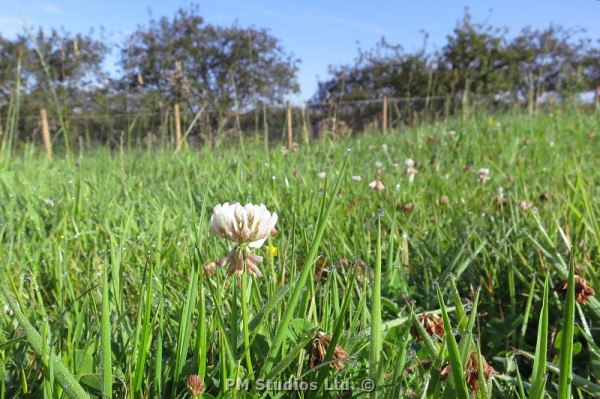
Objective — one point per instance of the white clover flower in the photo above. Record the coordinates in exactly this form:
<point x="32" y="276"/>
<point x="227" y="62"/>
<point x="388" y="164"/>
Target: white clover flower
<point x="384" y="148"/>
<point x="356" y="178"/>
<point x="376" y="185"/>
<point x="409" y="163"/>
<point x="484" y="175"/>
<point x="322" y="175"/>
<point x="378" y="165"/>
<point x="411" y="172"/>
<point x="247" y="227"/>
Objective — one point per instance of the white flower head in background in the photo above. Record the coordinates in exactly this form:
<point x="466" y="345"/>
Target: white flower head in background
<point x="376" y="185"/>
<point x="322" y="175"/>
<point x="411" y="171"/>
<point x="356" y="178"/>
<point x="484" y="175"/>
<point x="247" y="227"/>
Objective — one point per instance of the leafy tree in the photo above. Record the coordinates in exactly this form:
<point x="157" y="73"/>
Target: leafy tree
<point x="474" y="57"/>
<point x="184" y="60"/>
<point x="11" y="53"/>
<point x="551" y="60"/>
<point x="385" y="70"/>
<point x="69" y="64"/>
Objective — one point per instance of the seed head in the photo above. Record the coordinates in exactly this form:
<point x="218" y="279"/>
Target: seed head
<point x="583" y="291"/>
<point x="320" y="345"/>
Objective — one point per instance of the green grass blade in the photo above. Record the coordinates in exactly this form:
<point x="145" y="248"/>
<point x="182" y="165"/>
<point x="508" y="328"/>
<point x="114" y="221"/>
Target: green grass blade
<point x="578" y="381"/>
<point x="376" y="331"/>
<point x="337" y="332"/>
<point x="292" y="354"/>
<point x="106" y="372"/>
<point x="568" y="330"/>
<point x="67" y="381"/>
<point x="453" y="353"/>
<point x="185" y="325"/>
<point x="538" y="376"/>
<point x="306" y="271"/>
<point x="460" y="311"/>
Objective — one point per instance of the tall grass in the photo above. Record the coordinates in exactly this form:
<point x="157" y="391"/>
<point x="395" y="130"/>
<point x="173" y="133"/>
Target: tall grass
<point x="110" y="258"/>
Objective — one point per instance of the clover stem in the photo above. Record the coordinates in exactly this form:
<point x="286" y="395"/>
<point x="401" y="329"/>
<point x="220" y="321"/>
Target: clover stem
<point x="245" y="322"/>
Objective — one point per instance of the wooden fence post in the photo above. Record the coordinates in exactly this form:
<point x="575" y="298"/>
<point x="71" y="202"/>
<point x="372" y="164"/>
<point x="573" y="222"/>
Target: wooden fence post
<point x="289" y="125"/>
<point x="177" y="127"/>
<point x="304" y="124"/>
<point x="384" y="117"/>
<point x="46" y="132"/>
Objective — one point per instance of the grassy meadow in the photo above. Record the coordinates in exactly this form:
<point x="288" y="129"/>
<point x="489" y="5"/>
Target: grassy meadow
<point x="109" y="287"/>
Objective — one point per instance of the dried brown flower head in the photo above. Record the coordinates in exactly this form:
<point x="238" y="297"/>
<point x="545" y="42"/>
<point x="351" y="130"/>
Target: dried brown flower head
<point x="443" y="200"/>
<point x="320" y="345"/>
<point x="583" y="291"/>
<point x="321" y="267"/>
<point x="432" y="323"/>
<point x="406" y="207"/>
<point x="195" y="385"/>
<point x="471" y="371"/>
<point x="544" y="197"/>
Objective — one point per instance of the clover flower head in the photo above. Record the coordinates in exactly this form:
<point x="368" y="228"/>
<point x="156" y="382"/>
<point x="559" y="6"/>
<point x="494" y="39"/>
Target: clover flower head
<point x="484" y="175"/>
<point x="322" y="175"/>
<point x="376" y="185"/>
<point x="247" y="227"/>
<point x="410" y="163"/>
<point x="356" y="178"/>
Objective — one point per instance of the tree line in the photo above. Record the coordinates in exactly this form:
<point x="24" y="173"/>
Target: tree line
<point x="218" y="69"/>
<point x="478" y="59"/>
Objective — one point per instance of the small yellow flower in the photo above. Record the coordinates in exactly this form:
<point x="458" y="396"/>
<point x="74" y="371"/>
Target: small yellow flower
<point x="491" y="121"/>
<point x="272" y="250"/>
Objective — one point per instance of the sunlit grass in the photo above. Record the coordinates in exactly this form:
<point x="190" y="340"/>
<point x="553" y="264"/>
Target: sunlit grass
<point x="110" y="256"/>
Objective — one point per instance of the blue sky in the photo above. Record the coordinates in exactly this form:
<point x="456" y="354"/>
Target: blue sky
<point x="320" y="33"/>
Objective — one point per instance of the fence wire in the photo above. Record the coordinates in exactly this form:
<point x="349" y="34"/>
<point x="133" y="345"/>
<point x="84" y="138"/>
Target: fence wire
<point x="311" y="120"/>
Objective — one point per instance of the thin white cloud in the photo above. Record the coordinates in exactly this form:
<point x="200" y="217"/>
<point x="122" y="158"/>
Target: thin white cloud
<point x="50" y="8"/>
